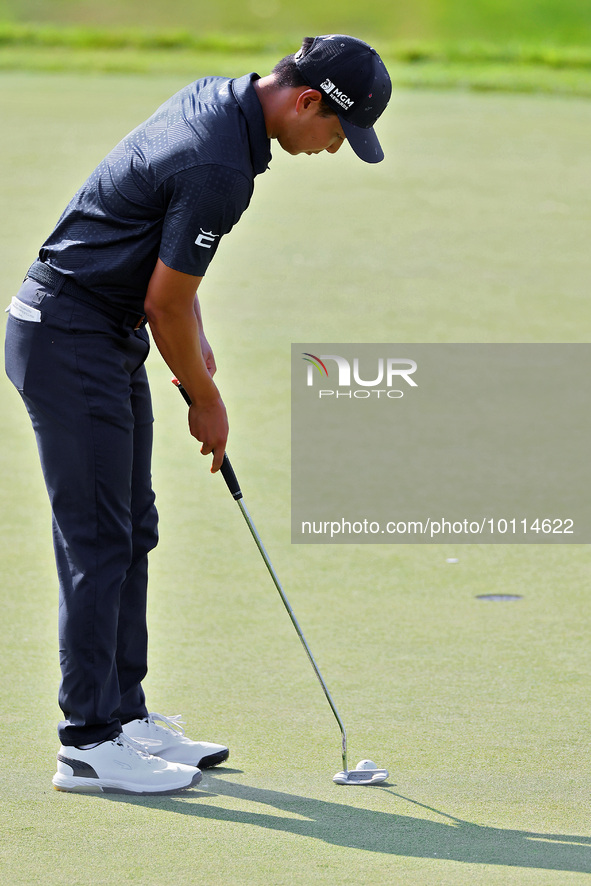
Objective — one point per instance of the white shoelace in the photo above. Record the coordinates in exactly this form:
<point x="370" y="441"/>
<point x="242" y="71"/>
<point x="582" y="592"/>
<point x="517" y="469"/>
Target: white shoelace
<point x="131" y="745"/>
<point x="173" y="724"/>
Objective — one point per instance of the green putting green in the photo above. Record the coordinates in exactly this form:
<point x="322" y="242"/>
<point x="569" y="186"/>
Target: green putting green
<point x="475" y="228"/>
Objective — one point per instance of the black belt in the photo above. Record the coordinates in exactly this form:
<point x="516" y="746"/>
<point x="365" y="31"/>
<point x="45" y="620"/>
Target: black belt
<point x="44" y="273"/>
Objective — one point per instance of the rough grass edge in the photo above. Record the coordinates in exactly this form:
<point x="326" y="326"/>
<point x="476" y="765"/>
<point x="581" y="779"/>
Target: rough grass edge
<point x="414" y="53"/>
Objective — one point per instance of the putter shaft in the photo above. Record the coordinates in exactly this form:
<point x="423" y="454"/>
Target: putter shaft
<point x="286" y="603"/>
<point x="229" y="476"/>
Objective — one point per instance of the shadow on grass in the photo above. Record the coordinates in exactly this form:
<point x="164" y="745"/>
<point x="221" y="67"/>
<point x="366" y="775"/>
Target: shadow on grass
<point x="393" y="833"/>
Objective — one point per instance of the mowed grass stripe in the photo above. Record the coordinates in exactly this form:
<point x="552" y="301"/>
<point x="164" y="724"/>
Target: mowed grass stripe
<point x="484" y="65"/>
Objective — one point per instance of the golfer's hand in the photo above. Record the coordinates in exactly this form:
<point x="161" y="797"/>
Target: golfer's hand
<point x="209" y="425"/>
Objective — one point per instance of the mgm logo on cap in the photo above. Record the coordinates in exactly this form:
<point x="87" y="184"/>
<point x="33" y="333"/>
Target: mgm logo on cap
<point x="355" y="84"/>
<point x="339" y="97"/>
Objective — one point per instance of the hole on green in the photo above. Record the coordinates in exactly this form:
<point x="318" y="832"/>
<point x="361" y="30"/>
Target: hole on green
<point x="502" y="598"/>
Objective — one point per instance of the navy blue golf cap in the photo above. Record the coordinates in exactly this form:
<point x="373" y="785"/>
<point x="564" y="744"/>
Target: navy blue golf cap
<point x="354" y="82"/>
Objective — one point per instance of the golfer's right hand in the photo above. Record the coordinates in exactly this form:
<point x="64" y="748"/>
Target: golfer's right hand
<point x="209" y="425"/>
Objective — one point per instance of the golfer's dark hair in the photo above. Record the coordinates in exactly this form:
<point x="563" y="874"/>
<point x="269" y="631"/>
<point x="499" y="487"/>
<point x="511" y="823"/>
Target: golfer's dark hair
<point x="288" y="74"/>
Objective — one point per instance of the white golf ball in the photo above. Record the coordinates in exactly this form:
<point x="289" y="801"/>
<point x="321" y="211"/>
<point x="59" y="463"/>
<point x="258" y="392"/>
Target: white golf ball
<point x="366" y="764"/>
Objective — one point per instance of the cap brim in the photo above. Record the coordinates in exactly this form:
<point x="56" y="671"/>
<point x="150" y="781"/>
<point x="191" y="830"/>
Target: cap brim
<point x="363" y="141"/>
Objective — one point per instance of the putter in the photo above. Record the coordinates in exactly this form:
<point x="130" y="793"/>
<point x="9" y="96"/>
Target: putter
<point x="355" y="776"/>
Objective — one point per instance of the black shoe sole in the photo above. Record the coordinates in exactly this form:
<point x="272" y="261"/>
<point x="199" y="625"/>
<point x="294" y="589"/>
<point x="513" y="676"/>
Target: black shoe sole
<point x="213" y="759"/>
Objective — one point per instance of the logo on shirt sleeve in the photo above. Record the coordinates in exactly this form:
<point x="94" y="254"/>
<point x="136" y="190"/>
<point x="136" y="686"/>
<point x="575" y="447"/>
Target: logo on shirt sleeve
<point x="206" y="238"/>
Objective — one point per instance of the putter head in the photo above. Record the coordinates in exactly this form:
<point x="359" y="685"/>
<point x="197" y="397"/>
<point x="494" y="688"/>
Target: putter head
<point x="361" y="776"/>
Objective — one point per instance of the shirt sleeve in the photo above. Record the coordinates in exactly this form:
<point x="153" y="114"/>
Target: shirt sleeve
<point x="203" y="204"/>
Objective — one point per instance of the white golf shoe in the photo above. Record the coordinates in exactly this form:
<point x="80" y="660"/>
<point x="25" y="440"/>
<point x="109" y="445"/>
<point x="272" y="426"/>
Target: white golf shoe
<point x="169" y="742"/>
<point x="120" y="766"/>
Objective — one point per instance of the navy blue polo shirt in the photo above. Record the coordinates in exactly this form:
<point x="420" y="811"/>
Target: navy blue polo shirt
<point x="171" y="189"/>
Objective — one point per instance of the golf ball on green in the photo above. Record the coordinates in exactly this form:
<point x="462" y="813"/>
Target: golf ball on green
<point x="366" y="764"/>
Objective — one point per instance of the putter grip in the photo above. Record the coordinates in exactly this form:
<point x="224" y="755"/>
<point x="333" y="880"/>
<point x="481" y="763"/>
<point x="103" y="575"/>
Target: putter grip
<point x="230" y="477"/>
<point x="226" y="468"/>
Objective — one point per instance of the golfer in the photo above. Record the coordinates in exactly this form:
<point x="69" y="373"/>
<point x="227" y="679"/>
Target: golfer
<point x="132" y="248"/>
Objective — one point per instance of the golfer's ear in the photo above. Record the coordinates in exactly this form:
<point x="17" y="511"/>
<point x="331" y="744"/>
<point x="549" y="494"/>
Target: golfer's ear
<point x="307" y="99"/>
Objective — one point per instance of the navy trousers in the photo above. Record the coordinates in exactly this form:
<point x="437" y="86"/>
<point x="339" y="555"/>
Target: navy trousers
<point x="81" y="375"/>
